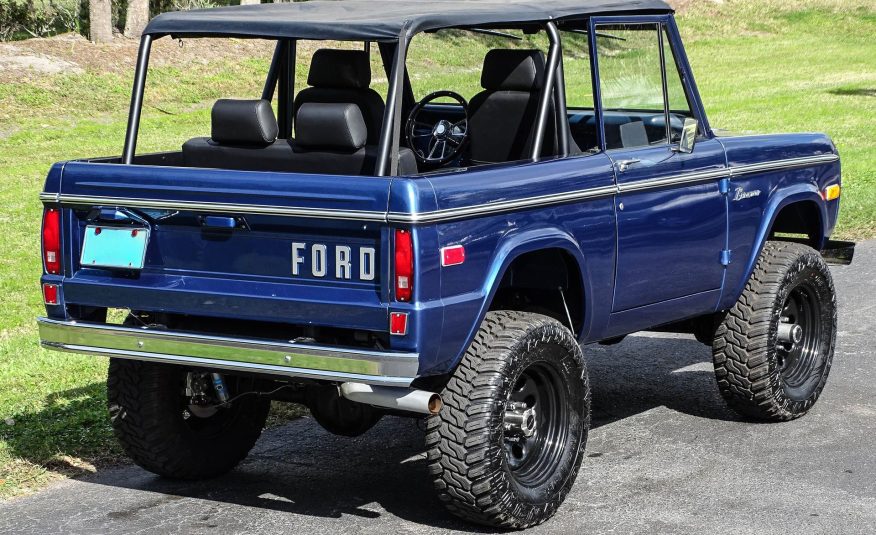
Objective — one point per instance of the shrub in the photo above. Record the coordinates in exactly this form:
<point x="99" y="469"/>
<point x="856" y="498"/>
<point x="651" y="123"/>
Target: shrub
<point x="19" y="20"/>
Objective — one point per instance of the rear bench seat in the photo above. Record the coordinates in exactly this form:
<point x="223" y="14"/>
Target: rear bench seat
<point x="330" y="139"/>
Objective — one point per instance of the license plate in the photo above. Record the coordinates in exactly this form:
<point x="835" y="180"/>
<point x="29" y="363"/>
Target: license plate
<point x="114" y="247"/>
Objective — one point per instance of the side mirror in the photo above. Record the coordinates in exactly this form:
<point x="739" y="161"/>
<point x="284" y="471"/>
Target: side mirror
<point x="688" y="136"/>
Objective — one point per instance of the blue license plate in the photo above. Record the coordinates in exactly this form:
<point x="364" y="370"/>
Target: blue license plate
<point x="114" y="247"/>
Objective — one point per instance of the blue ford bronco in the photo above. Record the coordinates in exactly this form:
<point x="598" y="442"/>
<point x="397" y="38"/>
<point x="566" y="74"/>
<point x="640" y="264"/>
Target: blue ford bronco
<point x="440" y="256"/>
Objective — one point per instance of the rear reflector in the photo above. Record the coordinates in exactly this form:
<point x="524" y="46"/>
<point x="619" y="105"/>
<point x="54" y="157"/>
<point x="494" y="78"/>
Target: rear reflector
<point x="404" y="265"/>
<point x="453" y="255"/>
<point x="831" y="192"/>
<point x="398" y="323"/>
<point x="50" y="294"/>
<point x="52" y="241"/>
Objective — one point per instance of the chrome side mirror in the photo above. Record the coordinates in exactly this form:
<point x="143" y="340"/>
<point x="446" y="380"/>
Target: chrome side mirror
<point x="688" y="136"/>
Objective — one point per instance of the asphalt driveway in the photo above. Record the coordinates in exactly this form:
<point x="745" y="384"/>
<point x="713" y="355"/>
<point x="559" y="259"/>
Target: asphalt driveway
<point x="664" y="456"/>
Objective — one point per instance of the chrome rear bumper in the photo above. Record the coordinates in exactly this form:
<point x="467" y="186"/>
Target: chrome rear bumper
<point x="235" y="354"/>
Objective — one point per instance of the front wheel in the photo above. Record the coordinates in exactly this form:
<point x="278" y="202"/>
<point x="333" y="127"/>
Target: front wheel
<point x="168" y="431"/>
<point x="774" y="348"/>
<point x="506" y="447"/>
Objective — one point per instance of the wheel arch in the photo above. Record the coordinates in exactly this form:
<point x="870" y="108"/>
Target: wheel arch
<point x="516" y="245"/>
<point x="788" y="204"/>
<point x="521" y="247"/>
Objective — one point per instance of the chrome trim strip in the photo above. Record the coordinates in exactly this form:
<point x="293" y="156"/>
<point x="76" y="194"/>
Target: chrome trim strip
<point x="448" y="214"/>
<point x="500" y="206"/>
<point x="228" y="353"/>
<point x="789" y="163"/>
<point x="286" y="211"/>
<point x="687" y="178"/>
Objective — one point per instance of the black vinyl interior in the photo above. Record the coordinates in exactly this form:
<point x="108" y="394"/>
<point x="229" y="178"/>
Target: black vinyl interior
<point x="331" y="140"/>
<point x="344" y="76"/>
<point x="501" y="116"/>
<point x="338" y="120"/>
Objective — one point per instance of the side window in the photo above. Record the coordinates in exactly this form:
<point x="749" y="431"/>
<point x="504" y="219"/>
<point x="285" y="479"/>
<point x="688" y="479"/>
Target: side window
<point x="642" y="108"/>
<point x="631" y="85"/>
<point x="679" y="105"/>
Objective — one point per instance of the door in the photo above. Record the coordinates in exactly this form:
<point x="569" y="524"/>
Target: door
<point x="671" y="213"/>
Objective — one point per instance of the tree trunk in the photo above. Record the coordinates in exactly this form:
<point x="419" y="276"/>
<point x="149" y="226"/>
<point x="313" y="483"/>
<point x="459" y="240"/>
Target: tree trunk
<point x="137" y="17"/>
<point x="248" y="2"/>
<point x="100" y="20"/>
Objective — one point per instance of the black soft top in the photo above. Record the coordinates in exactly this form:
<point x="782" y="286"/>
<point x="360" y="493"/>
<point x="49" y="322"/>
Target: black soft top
<point x="381" y="20"/>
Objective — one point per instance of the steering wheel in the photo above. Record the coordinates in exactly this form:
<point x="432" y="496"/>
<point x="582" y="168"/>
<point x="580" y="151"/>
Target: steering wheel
<point x="441" y="142"/>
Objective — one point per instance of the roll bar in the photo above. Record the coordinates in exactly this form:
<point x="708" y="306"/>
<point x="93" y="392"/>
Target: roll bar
<point x="282" y="75"/>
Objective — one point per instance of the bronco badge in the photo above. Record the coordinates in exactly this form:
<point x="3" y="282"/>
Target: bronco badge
<point x="741" y="194"/>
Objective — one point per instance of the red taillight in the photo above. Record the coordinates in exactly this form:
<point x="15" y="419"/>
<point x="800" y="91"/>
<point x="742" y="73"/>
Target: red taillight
<point x="398" y="323"/>
<point x="404" y="265"/>
<point x="52" y="241"/>
<point x="50" y="294"/>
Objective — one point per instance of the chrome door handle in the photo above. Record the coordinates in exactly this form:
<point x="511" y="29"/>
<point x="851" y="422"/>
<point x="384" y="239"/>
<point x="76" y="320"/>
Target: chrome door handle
<point x="623" y="165"/>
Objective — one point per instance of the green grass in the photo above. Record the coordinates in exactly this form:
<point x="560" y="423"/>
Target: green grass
<point x="761" y="67"/>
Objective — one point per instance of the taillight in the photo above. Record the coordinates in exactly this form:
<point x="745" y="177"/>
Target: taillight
<point x="404" y="265"/>
<point x="52" y="241"/>
<point x="50" y="294"/>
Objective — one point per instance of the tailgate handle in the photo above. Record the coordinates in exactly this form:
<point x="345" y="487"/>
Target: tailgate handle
<point x="117" y="215"/>
<point x="222" y="222"/>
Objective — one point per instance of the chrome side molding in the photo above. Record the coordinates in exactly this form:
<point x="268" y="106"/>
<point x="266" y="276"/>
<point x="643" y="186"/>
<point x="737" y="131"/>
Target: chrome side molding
<point x="447" y="214"/>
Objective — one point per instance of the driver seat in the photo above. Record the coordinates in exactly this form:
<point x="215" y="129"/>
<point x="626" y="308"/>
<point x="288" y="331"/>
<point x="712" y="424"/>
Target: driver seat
<point x="502" y="116"/>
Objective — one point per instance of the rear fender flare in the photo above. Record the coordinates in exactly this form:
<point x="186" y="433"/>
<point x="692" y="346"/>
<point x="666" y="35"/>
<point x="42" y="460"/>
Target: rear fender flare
<point x="511" y="247"/>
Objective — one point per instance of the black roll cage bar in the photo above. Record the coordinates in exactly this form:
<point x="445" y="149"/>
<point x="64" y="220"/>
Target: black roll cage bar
<point x="281" y="75"/>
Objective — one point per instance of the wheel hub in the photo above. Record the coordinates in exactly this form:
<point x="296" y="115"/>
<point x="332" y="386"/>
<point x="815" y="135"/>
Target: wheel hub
<point x="520" y="420"/>
<point x="790" y="333"/>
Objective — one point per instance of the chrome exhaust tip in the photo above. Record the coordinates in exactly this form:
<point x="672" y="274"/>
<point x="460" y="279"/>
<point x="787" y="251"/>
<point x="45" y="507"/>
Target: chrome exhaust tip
<point x="391" y="397"/>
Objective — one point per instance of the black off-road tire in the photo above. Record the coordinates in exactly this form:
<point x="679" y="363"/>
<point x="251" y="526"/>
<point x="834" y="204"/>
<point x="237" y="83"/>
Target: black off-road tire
<point x="759" y="375"/>
<point x="471" y="455"/>
<point x="146" y="403"/>
<point x="340" y="416"/>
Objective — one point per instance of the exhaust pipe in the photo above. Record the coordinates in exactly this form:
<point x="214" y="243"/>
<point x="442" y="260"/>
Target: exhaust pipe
<point x="392" y="397"/>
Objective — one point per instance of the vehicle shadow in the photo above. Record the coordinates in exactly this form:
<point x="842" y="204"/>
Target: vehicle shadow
<point x="69" y="435"/>
<point x="300" y="469"/>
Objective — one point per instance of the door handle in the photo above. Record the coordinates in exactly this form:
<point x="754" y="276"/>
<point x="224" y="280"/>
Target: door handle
<point x="216" y="222"/>
<point x="623" y="165"/>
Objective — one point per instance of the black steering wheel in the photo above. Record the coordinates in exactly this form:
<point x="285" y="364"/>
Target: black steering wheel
<point x="436" y="143"/>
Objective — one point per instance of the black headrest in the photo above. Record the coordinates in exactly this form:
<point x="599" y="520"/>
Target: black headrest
<point x="513" y="70"/>
<point x="243" y="122"/>
<point x="340" y="69"/>
<point x="335" y="126"/>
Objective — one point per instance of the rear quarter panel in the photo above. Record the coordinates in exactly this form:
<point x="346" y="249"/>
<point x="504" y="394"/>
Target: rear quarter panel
<point x="584" y="229"/>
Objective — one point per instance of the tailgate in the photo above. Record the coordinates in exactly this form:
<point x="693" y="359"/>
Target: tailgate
<point x="302" y="249"/>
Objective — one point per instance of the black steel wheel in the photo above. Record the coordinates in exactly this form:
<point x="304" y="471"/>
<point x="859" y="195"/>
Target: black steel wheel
<point x="799" y="341"/>
<point x="509" y="441"/>
<point x="774" y="348"/>
<point x="536" y="424"/>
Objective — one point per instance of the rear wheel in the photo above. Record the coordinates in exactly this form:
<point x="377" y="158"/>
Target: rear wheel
<point x="506" y="447"/>
<point x="168" y="431"/>
<point x="774" y="348"/>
